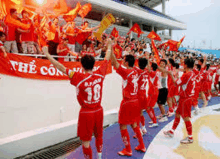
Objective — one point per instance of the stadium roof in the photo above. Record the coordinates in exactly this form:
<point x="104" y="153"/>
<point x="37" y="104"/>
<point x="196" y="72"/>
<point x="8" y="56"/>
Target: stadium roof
<point x="148" y="3"/>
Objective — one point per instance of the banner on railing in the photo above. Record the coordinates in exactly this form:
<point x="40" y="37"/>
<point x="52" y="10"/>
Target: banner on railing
<point x="28" y="67"/>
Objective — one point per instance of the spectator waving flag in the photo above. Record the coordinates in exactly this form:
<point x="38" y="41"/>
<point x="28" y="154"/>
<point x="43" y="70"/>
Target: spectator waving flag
<point x="136" y="29"/>
<point x="154" y="36"/>
<point x="85" y="10"/>
<point x="115" y="33"/>
<point x="156" y="53"/>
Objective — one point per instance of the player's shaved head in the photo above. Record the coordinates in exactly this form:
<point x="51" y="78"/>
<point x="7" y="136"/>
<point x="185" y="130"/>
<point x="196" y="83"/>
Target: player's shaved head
<point x="154" y="66"/>
<point x="142" y="63"/>
<point x="189" y="63"/>
<point x="88" y="62"/>
<point x="130" y="60"/>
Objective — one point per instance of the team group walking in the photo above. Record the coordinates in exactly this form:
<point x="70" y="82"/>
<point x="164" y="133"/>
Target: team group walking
<point x="145" y="82"/>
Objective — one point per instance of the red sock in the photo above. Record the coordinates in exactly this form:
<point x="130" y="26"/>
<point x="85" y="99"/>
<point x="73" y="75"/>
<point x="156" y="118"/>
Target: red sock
<point x="174" y="103"/>
<point x="170" y="109"/>
<point x="126" y="139"/>
<point x="152" y="115"/>
<point x="139" y="136"/>
<point x="142" y="121"/>
<point x="99" y="144"/>
<point x="87" y="152"/>
<point x="176" y="123"/>
<point x="189" y="127"/>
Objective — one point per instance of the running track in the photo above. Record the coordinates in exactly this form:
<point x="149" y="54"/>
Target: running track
<point x="112" y="142"/>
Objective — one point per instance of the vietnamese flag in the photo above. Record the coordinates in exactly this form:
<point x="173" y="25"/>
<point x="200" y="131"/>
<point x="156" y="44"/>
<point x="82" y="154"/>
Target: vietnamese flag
<point x="117" y="51"/>
<point x="136" y="29"/>
<point x="115" y="32"/>
<point x="85" y="9"/>
<point x="172" y="45"/>
<point x="71" y="15"/>
<point x="156" y="53"/>
<point x="154" y="36"/>
<point x="180" y="42"/>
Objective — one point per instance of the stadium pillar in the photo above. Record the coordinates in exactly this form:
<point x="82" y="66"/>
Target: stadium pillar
<point x="130" y="25"/>
<point x="170" y="33"/>
<point x="153" y="28"/>
<point x="163" y="11"/>
<point x="163" y="6"/>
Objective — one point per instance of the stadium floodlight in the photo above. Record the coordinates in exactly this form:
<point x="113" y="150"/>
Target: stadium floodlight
<point x="40" y="1"/>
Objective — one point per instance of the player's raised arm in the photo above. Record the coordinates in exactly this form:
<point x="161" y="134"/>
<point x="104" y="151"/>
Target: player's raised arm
<point x="109" y="49"/>
<point x="58" y="65"/>
<point x="114" y="60"/>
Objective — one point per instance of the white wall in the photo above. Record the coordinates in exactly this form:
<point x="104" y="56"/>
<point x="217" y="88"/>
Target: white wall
<point x="30" y="112"/>
<point x="31" y="104"/>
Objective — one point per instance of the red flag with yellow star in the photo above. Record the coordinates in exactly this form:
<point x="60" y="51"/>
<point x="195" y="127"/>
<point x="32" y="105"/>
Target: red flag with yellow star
<point x="115" y="33"/>
<point x="136" y="29"/>
<point x="154" y="36"/>
<point x="155" y="51"/>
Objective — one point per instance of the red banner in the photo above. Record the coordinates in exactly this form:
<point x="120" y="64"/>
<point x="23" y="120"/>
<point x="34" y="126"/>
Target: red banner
<point x="28" y="67"/>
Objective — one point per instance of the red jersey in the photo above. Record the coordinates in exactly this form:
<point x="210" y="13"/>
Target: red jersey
<point x="89" y="86"/>
<point x="64" y="53"/>
<point x="143" y="82"/>
<point x="130" y="82"/>
<point x="153" y="82"/>
<point x="72" y="39"/>
<point x="9" y="30"/>
<point x="30" y="35"/>
<point x="188" y="85"/>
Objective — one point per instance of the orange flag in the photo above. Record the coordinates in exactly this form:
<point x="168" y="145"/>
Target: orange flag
<point x="156" y="54"/>
<point x="71" y="15"/>
<point x="154" y="36"/>
<point x="85" y="10"/>
<point x="115" y="32"/>
<point x="61" y="7"/>
<point x="136" y="29"/>
<point x="117" y="51"/>
<point x="10" y="20"/>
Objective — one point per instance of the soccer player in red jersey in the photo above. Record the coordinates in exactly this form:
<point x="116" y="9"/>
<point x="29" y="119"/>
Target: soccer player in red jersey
<point x="143" y="81"/>
<point x="153" y="93"/>
<point x="129" y="112"/>
<point x="89" y="94"/>
<point x="198" y="88"/>
<point x="187" y="83"/>
<point x="202" y="62"/>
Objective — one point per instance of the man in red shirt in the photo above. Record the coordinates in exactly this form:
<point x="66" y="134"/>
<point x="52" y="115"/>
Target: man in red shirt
<point x="129" y="112"/>
<point x="27" y="36"/>
<point x="2" y="40"/>
<point x="72" y="33"/>
<point x="143" y="83"/>
<point x="187" y="93"/>
<point x="63" y="50"/>
<point x="153" y="93"/>
<point x="89" y="95"/>
<point x="9" y="29"/>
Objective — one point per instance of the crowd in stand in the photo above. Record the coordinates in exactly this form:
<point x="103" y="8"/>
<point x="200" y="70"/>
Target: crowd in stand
<point x="62" y="40"/>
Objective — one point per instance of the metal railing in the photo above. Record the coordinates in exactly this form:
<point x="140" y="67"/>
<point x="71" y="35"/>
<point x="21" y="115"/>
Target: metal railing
<point x="55" y="56"/>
